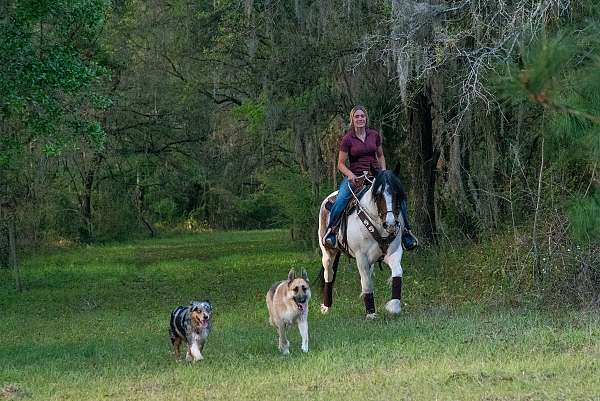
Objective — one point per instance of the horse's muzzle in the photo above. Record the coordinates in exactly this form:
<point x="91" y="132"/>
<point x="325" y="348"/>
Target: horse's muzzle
<point x="391" y="228"/>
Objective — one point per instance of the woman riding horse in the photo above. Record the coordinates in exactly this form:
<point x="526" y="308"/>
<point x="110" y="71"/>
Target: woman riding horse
<point x="361" y="146"/>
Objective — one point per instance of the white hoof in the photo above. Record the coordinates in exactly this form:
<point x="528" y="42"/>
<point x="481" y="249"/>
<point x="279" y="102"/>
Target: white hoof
<point x="285" y="351"/>
<point x="371" y="316"/>
<point x="393" y="306"/>
<point x="324" y="309"/>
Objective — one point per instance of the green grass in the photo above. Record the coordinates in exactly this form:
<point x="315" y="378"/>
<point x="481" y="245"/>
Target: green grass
<point x="92" y="325"/>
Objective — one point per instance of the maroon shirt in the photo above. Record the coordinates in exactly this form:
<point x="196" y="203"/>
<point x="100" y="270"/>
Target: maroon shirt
<point x="362" y="155"/>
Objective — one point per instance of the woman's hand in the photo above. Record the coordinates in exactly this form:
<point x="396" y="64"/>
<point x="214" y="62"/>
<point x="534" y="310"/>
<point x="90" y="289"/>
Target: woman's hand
<point x="351" y="177"/>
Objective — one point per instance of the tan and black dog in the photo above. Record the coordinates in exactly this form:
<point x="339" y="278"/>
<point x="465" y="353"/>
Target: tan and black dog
<point x="287" y="302"/>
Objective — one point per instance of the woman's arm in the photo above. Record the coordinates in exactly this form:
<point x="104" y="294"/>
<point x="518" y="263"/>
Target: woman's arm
<point x="342" y="158"/>
<point x="380" y="157"/>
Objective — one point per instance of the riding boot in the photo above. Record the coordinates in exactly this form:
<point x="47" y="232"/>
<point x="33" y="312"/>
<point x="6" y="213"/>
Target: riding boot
<point x="409" y="241"/>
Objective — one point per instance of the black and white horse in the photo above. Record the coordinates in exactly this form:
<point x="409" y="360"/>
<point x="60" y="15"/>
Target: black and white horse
<point x="374" y="232"/>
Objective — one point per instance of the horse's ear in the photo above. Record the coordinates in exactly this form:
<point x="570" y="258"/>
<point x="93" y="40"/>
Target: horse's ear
<point x="397" y="170"/>
<point x="291" y="275"/>
<point x="304" y="275"/>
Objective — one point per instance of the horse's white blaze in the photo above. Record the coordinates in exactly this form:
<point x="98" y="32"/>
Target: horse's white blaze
<point x="390" y="220"/>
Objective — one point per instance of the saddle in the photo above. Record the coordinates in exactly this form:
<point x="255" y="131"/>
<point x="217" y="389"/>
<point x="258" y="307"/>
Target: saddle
<point x="360" y="187"/>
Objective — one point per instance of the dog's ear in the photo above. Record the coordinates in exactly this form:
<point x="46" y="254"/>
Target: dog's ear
<point x="304" y="275"/>
<point x="208" y="304"/>
<point x="291" y="275"/>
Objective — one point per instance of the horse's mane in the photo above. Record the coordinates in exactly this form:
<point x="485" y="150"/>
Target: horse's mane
<point x="388" y="178"/>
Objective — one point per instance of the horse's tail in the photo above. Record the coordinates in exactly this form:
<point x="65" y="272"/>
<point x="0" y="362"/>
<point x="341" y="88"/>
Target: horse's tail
<point x="321" y="278"/>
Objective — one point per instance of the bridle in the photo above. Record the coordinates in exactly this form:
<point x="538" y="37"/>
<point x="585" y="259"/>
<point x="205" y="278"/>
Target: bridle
<point x="383" y="211"/>
<point x="367" y="219"/>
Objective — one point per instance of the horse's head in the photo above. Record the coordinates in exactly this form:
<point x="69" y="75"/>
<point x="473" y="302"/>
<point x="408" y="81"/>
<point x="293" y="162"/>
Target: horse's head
<point x="388" y="194"/>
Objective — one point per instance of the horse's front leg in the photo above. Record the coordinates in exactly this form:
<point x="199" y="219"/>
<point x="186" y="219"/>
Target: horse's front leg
<point x="366" y="283"/>
<point x="393" y="260"/>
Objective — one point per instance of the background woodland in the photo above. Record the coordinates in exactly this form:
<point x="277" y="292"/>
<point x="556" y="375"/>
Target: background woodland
<point x="127" y="118"/>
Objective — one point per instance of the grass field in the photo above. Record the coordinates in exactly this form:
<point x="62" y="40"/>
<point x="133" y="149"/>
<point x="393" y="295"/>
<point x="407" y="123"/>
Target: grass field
<point x="92" y="325"/>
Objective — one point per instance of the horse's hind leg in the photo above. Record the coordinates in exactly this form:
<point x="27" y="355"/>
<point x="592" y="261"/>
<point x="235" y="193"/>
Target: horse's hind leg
<point x="366" y="283"/>
<point x="330" y="261"/>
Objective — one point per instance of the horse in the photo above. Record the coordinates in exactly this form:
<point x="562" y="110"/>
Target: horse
<point x="374" y="232"/>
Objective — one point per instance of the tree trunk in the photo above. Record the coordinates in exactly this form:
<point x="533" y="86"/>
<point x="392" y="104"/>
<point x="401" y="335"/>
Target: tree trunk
<point x="4" y="243"/>
<point x="424" y="165"/>
<point x="85" y="206"/>
<point x="13" y="251"/>
<point x="7" y="219"/>
<point x="85" y="200"/>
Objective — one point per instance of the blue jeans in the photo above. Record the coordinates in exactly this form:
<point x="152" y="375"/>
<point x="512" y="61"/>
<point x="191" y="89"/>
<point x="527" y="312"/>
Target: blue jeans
<point x="341" y="201"/>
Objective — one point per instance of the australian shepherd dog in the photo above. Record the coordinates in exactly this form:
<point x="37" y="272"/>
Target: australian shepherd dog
<point x="191" y="324"/>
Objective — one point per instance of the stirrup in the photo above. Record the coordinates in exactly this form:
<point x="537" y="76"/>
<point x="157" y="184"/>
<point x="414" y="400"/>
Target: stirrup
<point x="330" y="239"/>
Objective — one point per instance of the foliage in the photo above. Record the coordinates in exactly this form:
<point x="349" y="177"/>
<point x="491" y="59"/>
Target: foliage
<point x="46" y="84"/>
<point x="77" y="299"/>
<point x="292" y="194"/>
<point x="584" y="215"/>
<point x="561" y="73"/>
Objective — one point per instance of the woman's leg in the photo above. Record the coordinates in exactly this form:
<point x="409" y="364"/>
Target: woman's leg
<point x="409" y="241"/>
<point x="343" y="196"/>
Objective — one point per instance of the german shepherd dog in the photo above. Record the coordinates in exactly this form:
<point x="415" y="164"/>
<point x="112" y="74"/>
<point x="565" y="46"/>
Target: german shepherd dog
<point x="287" y="302"/>
<point x="191" y="324"/>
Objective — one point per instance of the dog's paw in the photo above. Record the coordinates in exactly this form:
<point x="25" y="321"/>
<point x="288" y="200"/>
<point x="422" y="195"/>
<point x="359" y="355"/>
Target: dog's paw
<point x="371" y="316"/>
<point x="393" y="306"/>
<point x="324" y="309"/>
<point x="285" y="351"/>
<point x="198" y="358"/>
<point x="305" y="348"/>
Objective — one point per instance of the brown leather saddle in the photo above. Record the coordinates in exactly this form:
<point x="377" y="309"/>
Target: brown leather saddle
<point x="360" y="187"/>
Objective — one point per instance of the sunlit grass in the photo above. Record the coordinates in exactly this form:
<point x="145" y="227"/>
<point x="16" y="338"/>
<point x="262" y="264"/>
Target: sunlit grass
<point x="92" y="325"/>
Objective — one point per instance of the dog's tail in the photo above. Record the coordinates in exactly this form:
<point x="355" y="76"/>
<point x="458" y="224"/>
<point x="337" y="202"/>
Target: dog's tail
<point x="321" y="278"/>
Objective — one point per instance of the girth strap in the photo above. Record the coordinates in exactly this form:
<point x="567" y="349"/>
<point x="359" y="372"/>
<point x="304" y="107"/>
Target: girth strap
<point x="384" y="243"/>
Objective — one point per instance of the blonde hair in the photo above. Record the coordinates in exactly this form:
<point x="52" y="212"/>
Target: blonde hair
<point x="354" y="110"/>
